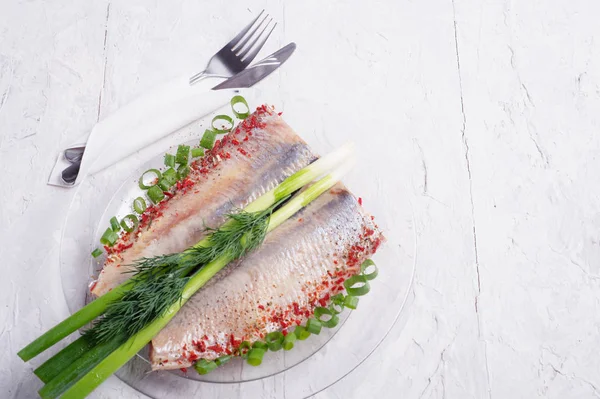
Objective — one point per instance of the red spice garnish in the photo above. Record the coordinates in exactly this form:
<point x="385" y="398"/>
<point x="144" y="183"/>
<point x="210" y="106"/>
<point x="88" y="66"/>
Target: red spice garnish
<point x="261" y="307"/>
<point x="279" y="113"/>
<point x="216" y="348"/>
<point x="183" y="369"/>
<point x="360" y="201"/>
<point x="235" y="142"/>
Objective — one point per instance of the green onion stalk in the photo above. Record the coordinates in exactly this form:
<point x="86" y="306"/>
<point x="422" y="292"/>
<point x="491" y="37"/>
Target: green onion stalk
<point x="134" y="344"/>
<point x="96" y="308"/>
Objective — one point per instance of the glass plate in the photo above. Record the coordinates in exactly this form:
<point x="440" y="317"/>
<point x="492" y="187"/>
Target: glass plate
<point x="337" y="351"/>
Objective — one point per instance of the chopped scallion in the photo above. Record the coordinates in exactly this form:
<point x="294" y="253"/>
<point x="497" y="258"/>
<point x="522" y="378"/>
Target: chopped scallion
<point x="114" y="224"/>
<point x="260" y="345"/>
<point x="96" y="252"/>
<point x="143" y="185"/>
<point x="222" y="360"/>
<point x="183" y="172"/>
<point x="183" y="154"/>
<point x="357" y="285"/>
<point x="208" y="139"/>
<point x="274" y="340"/>
<point x="331" y="320"/>
<point x="109" y="237"/>
<point x="365" y="265"/>
<point x="313" y="326"/>
<point x="288" y="341"/>
<point x="156" y="194"/>
<point x="169" y="160"/>
<point x="225" y="118"/>
<point x="240" y="100"/>
<point x="301" y="333"/>
<point x="255" y="356"/>
<point x="134" y="223"/>
<point x="197" y="152"/>
<point x="204" y="366"/>
<point x="139" y="205"/>
<point x="244" y="347"/>
<point x="351" y="302"/>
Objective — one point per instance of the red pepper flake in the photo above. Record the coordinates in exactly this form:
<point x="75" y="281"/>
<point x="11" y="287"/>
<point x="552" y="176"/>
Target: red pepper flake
<point x="201" y="346"/>
<point x="168" y="194"/>
<point x="235" y="142"/>
<point x="372" y="217"/>
<point x="301" y="220"/>
<point x="261" y="307"/>
<point x="339" y="281"/>
<point x="246" y="138"/>
<point x="279" y="113"/>
<point x="360" y="201"/>
<point x="193" y="356"/>
<point x="296" y="308"/>
<point x="216" y="348"/>
<point x="183" y="369"/>
<point x="284" y="332"/>
<point x="93" y="285"/>
<point x="242" y="151"/>
<point x="335" y="262"/>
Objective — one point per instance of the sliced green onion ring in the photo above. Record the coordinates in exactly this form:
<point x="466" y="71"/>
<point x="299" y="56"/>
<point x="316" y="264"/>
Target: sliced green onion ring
<point x="351" y="302"/>
<point x="255" y="356"/>
<point x="114" y="224"/>
<point x="240" y="100"/>
<point x="134" y="223"/>
<point x="109" y="237"/>
<point x="357" y="285"/>
<point x="208" y="139"/>
<point x="204" y="366"/>
<point x="96" y="252"/>
<point x="365" y="265"/>
<point x="288" y="341"/>
<point x="336" y="308"/>
<point x="222" y="360"/>
<point x="244" y="347"/>
<point x="183" y="172"/>
<point x="183" y="154"/>
<point x="156" y="194"/>
<point x="156" y="172"/>
<point x="260" y="345"/>
<point x="197" y="152"/>
<point x="313" y="326"/>
<point x="274" y="340"/>
<point x="227" y="118"/>
<point x="169" y="160"/>
<point x="139" y="205"/>
<point x="329" y="323"/>
<point x="301" y="333"/>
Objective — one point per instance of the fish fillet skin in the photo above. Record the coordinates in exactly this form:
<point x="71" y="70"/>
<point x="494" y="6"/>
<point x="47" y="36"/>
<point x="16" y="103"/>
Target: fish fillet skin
<point x="246" y="163"/>
<point x="300" y="265"/>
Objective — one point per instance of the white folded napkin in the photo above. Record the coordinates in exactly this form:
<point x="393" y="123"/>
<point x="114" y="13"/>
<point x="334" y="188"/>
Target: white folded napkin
<point x="143" y="121"/>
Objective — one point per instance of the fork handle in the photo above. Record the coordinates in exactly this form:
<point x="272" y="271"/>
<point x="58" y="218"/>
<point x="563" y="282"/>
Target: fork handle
<point x="199" y="76"/>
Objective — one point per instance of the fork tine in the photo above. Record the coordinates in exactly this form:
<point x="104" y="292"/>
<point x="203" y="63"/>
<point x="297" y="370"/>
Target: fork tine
<point x="241" y="44"/>
<point x="249" y="55"/>
<point x="240" y="35"/>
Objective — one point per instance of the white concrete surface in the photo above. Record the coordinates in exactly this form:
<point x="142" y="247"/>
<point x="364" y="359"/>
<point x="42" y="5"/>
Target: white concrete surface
<point x="488" y="112"/>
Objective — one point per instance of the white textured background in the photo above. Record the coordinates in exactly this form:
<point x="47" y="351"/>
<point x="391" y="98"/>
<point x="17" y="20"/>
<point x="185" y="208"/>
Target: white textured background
<point x="490" y="111"/>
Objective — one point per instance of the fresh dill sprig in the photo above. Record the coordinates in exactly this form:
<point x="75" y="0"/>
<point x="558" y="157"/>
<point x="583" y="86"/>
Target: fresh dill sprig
<point x="159" y="281"/>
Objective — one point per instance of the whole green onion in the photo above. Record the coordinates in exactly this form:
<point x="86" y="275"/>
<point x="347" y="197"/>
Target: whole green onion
<point x="156" y="194"/>
<point x="139" y="205"/>
<point x="357" y="285"/>
<point x="288" y="341"/>
<point x="240" y="100"/>
<point x="223" y="118"/>
<point x="53" y="366"/>
<point x="208" y="139"/>
<point x="109" y="237"/>
<point x="96" y="252"/>
<point x="169" y="160"/>
<point x="204" y="366"/>
<point x="142" y="185"/>
<point x="134" y="223"/>
<point x="365" y="265"/>
<point x="255" y="356"/>
<point x="274" y="340"/>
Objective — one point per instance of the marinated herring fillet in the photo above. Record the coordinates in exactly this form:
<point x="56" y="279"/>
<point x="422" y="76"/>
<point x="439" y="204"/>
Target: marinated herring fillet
<point x="247" y="162"/>
<point x="299" y="266"/>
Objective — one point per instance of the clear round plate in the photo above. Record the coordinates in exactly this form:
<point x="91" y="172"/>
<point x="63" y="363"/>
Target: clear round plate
<point x="311" y="366"/>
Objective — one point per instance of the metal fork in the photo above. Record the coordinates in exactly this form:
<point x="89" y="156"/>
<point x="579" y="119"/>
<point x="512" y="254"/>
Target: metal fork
<point x="236" y="55"/>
